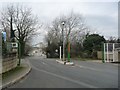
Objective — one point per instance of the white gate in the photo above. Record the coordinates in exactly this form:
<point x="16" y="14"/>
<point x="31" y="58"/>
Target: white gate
<point x="111" y="52"/>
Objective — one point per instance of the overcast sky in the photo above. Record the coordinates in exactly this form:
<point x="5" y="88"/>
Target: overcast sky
<point x="101" y="16"/>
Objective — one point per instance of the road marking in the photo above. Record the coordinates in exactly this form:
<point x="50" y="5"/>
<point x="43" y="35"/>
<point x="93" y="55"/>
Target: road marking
<point x="84" y="67"/>
<point x="44" y="63"/>
<point x="66" y="78"/>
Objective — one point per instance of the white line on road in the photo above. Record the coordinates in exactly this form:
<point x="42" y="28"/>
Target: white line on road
<point x="86" y="67"/>
<point x="66" y="78"/>
<point x="44" y="63"/>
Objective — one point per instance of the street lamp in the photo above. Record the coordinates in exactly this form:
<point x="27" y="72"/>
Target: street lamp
<point x="63" y="23"/>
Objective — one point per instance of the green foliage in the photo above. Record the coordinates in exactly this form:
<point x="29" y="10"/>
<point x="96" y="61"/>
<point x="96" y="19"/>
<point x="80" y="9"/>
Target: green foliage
<point x="11" y="72"/>
<point x="118" y="40"/>
<point x="92" y="44"/>
<point x="51" y="50"/>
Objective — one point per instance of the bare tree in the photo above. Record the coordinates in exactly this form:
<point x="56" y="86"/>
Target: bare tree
<point x="74" y="26"/>
<point x="6" y="20"/>
<point x="74" y="29"/>
<point x="19" y="19"/>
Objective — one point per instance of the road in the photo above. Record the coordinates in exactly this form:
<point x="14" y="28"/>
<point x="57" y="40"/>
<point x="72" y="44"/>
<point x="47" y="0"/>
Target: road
<point x="47" y="73"/>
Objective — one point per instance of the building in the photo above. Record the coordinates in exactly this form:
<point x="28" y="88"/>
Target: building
<point x="118" y="49"/>
<point x="37" y="50"/>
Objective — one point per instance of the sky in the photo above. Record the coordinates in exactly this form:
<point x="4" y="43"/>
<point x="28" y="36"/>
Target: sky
<point x="100" y="16"/>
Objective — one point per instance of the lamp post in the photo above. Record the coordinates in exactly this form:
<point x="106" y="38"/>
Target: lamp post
<point x="63" y="23"/>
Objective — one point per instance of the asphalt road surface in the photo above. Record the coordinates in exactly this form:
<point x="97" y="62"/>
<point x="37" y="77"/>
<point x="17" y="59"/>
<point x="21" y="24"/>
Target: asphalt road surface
<point x="47" y="73"/>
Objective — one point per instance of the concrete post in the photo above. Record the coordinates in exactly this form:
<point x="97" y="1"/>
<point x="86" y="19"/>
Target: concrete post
<point x="60" y="52"/>
<point x="107" y="53"/>
<point x="113" y="52"/>
<point x="104" y="53"/>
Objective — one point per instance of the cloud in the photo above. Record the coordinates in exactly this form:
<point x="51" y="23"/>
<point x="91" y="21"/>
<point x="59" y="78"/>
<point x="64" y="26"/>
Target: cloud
<point x="59" y="1"/>
<point x="102" y="15"/>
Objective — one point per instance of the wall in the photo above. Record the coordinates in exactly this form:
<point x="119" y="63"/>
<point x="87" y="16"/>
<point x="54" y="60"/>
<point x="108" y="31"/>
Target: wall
<point x="110" y="56"/>
<point x="99" y="55"/>
<point x="9" y="63"/>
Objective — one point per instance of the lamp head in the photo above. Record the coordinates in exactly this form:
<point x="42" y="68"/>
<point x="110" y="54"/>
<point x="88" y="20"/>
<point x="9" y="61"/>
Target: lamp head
<point x="63" y="23"/>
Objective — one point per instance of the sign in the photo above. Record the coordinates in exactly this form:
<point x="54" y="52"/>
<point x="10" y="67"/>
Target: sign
<point x="4" y="36"/>
<point x="14" y="45"/>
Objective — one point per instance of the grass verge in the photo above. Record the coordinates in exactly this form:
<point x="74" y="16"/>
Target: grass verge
<point x="11" y="72"/>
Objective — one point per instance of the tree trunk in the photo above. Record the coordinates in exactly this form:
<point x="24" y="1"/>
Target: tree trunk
<point x="22" y="48"/>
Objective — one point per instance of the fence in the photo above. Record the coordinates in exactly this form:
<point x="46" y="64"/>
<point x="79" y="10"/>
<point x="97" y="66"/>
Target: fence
<point x="111" y="52"/>
<point x="116" y="56"/>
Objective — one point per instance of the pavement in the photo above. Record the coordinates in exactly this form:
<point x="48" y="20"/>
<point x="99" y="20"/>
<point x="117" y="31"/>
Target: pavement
<point x="17" y="76"/>
<point x="71" y="63"/>
<point x="47" y="73"/>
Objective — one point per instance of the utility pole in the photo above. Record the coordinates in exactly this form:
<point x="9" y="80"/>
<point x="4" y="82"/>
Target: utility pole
<point x="63" y="23"/>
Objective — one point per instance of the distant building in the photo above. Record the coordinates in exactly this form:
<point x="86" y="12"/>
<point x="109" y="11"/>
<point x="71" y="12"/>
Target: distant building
<point x="37" y="50"/>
